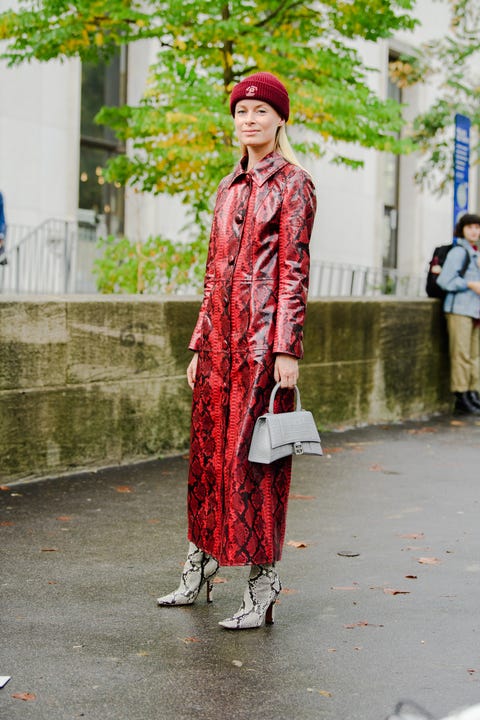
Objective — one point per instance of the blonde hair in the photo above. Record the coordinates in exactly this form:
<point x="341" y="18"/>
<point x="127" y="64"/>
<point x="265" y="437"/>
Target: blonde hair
<point x="282" y="146"/>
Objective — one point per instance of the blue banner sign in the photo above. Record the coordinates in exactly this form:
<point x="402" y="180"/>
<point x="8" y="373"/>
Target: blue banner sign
<point x="461" y="162"/>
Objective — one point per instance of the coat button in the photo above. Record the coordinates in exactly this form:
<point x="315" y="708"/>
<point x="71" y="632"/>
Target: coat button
<point x="239" y="218"/>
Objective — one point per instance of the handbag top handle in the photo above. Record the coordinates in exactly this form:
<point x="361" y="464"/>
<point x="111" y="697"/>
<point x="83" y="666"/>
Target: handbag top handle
<point x="274" y="392"/>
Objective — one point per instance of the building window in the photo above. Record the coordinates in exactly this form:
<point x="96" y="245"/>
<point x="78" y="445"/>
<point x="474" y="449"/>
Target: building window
<point x="101" y="203"/>
<point x="390" y="186"/>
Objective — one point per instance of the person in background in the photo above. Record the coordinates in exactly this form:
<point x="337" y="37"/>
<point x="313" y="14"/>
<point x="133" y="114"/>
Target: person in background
<point x="3" y="232"/>
<point x="248" y="337"/>
<point x="462" y="312"/>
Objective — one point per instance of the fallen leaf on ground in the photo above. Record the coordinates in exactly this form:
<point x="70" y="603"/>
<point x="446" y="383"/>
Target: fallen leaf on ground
<point x="153" y="521"/>
<point x="7" y="523"/>
<point x="191" y="640"/>
<point x="297" y="544"/>
<point x="457" y="423"/>
<point x="325" y="693"/>
<point x="362" y="623"/>
<point x="219" y="580"/>
<point x="420" y="431"/>
<point x="411" y="577"/>
<point x="413" y="536"/>
<point x="4" y="487"/>
<point x="297" y="496"/>
<point x="429" y="561"/>
<point x="392" y="591"/>
<point x="49" y="549"/>
<point x="346" y="587"/>
<point x="376" y="468"/>
<point x="123" y="489"/>
<point x="64" y="518"/>
<point x="24" y="696"/>
<point x="142" y="653"/>
<point x="332" y="450"/>
<point x="289" y="591"/>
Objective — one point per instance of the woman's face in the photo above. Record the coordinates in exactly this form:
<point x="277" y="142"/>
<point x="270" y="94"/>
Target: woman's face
<point x="256" y="125"/>
<point x="471" y="233"/>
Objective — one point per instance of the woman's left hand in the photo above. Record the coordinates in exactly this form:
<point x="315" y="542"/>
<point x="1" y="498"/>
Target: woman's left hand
<point x="286" y="371"/>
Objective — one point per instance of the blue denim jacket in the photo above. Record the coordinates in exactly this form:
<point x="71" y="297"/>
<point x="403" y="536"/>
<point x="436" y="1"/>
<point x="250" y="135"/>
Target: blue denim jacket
<point x="460" y="299"/>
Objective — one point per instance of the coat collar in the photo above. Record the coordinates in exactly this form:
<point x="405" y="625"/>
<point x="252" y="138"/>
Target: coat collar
<point x="262" y="171"/>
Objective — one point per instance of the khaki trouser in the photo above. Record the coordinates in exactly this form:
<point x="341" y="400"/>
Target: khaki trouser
<point x="463" y="338"/>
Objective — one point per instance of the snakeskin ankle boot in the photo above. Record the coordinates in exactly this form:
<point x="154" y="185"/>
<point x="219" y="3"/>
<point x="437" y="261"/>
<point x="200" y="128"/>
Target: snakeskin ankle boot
<point x="259" y="599"/>
<point x="199" y="570"/>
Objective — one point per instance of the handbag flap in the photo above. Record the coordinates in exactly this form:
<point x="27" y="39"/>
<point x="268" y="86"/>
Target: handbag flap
<point x="291" y="427"/>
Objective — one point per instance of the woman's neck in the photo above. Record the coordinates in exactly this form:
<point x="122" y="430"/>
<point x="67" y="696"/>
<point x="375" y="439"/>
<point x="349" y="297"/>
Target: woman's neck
<point x="255" y="157"/>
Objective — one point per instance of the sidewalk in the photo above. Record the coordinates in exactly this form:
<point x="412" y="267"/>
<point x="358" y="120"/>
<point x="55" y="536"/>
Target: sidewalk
<point x="381" y="605"/>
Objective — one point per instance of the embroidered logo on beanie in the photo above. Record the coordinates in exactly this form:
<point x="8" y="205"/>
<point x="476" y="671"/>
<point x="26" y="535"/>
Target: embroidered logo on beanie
<point x="251" y="90"/>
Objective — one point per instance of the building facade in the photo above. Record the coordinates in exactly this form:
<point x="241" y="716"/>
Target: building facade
<point x="52" y="154"/>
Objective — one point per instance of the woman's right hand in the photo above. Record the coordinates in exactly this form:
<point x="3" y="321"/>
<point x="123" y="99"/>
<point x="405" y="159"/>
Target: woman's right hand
<point x="475" y="286"/>
<point x="192" y="370"/>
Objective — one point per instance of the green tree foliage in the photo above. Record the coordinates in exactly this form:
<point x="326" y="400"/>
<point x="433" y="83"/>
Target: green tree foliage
<point x="157" y="265"/>
<point x="180" y="134"/>
<point x="453" y="62"/>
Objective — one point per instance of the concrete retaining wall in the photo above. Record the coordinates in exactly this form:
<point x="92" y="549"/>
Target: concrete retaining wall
<point x="96" y="381"/>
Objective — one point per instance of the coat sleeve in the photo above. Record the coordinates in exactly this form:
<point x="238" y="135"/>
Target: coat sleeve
<point x="196" y="338"/>
<point x="296" y="222"/>
<point x="450" y="278"/>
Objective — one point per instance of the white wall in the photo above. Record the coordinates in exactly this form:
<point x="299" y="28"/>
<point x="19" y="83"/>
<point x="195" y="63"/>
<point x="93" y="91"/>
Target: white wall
<point x="147" y="214"/>
<point x="39" y="141"/>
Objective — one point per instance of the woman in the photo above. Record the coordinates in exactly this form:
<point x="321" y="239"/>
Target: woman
<point x="462" y="310"/>
<point x="248" y="336"/>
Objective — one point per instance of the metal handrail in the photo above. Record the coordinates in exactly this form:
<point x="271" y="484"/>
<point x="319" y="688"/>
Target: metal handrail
<point x="328" y="279"/>
<point x="40" y="259"/>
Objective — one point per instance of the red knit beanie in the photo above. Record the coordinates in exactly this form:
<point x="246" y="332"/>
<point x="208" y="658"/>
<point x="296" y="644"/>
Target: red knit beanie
<point x="262" y="86"/>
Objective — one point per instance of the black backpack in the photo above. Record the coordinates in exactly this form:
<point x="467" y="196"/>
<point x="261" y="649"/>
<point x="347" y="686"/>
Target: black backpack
<point x="435" y="267"/>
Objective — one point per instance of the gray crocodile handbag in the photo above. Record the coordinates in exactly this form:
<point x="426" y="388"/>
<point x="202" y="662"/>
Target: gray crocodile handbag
<point x="277" y="435"/>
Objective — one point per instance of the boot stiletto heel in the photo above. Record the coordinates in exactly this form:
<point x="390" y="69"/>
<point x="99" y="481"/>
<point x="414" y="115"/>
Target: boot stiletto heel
<point x="270" y="614"/>
<point x="209" y="591"/>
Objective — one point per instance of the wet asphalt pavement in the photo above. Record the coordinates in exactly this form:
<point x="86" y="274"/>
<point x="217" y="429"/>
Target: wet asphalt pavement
<point x="381" y="600"/>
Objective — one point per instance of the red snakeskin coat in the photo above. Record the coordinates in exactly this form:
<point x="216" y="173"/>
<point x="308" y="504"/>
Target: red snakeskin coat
<point x="253" y="307"/>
